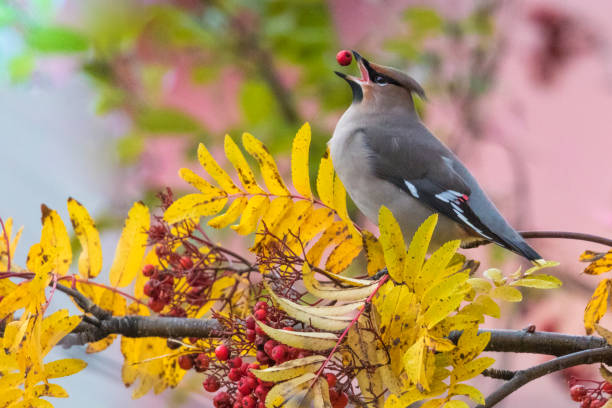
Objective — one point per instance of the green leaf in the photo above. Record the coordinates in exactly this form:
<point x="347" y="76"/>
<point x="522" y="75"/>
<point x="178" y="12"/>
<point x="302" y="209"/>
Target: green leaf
<point x="507" y="293"/>
<point x="166" y="120"/>
<point x="7" y="15"/>
<point x="539" y="282"/>
<point x="423" y="21"/>
<point x="56" y="39"/>
<point x="20" y="67"/>
<point x="256" y="101"/>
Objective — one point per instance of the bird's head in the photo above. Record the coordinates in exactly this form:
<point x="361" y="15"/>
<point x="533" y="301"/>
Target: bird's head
<point x="380" y="86"/>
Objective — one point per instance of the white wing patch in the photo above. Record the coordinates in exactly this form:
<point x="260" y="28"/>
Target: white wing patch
<point x="448" y="196"/>
<point x="413" y="190"/>
<point x="454" y="198"/>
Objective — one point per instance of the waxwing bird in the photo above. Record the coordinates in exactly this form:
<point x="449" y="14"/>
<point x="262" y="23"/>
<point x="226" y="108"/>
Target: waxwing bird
<point x="384" y="155"/>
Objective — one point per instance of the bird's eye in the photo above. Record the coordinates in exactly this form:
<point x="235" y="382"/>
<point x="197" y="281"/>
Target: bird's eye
<point x="381" y="80"/>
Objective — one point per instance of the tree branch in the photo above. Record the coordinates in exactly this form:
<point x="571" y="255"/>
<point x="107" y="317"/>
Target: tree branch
<point x="579" y="236"/>
<point x="521" y="341"/>
<point x="144" y="326"/>
<point x="522" y="377"/>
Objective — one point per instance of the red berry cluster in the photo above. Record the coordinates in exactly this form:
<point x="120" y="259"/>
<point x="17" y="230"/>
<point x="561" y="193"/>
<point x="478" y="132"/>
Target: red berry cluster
<point x="249" y="391"/>
<point x="196" y="267"/>
<point x="590" y="397"/>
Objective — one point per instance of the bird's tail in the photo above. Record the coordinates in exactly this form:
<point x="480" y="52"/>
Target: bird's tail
<point x="523" y="249"/>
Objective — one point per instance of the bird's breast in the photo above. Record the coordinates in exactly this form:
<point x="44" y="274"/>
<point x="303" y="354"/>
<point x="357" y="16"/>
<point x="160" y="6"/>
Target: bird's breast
<point x="351" y="160"/>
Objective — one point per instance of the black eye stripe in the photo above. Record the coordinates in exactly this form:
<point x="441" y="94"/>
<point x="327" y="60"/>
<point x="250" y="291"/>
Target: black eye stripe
<point x="385" y="79"/>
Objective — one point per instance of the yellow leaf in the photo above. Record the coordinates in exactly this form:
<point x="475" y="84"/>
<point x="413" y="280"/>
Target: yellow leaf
<point x="489" y="306"/>
<point x="255" y="209"/>
<point x="600" y="262"/>
<point x="55" y="327"/>
<point x="325" y="181"/>
<point x="216" y="172"/>
<point x="470" y="370"/>
<point x="235" y="156"/>
<point x="442" y="290"/>
<point x="507" y="293"/>
<point x="64" y="367"/>
<point x="15" y="300"/>
<point x="90" y="259"/>
<point x="232" y="213"/>
<point x="418" y="248"/>
<point x="470" y="345"/>
<point x="468" y="391"/>
<point x="269" y="171"/>
<point x="313" y="341"/>
<point x="596" y="307"/>
<point x="538" y="281"/>
<point x="458" y="403"/>
<point x="603" y="332"/>
<point x="393" y="245"/>
<point x="414" y="363"/>
<point x="480" y="285"/>
<point x="332" y="292"/>
<point x="6" y="287"/>
<point x="33" y="403"/>
<point x="442" y="308"/>
<point x="194" y="206"/>
<point x="41" y="260"/>
<point x="290" y="369"/>
<point x="373" y="252"/>
<point x="340" y="199"/>
<point x="303" y="314"/>
<point x="299" y="161"/>
<point x="198" y="182"/>
<point x="298" y="393"/>
<point x="316" y="221"/>
<point x="398" y="317"/>
<point x="335" y="234"/>
<point x="14" y="332"/>
<point x="276" y="212"/>
<point x="292" y="223"/>
<point x="540" y="265"/>
<point x="343" y="255"/>
<point x="131" y="247"/>
<point x="54" y="235"/>
<point x="345" y="280"/>
<point x="49" y="390"/>
<point x="100" y="345"/>
<point x="495" y="275"/>
<point x="363" y="344"/>
<point x="435" y="269"/>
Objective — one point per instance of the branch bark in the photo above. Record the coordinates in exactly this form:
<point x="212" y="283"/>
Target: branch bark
<point x="515" y="341"/>
<point x="520" y="378"/>
<point x="579" y="236"/>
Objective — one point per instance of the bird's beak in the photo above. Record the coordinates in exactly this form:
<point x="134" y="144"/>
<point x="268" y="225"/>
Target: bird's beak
<point x="364" y="69"/>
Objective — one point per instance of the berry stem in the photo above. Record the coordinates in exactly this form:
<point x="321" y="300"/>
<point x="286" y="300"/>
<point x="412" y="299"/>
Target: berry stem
<point x="345" y="332"/>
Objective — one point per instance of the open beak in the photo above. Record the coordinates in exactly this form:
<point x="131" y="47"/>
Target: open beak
<point x="364" y="69"/>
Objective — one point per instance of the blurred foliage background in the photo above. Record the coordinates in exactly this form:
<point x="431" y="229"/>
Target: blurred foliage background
<point x="505" y="82"/>
<point x="196" y="69"/>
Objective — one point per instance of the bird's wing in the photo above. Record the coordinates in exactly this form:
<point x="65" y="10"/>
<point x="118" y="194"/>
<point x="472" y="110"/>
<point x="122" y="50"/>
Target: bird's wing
<point x="424" y="169"/>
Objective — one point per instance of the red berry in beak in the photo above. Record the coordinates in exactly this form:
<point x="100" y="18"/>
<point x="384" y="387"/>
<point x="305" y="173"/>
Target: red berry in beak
<point x="344" y="57"/>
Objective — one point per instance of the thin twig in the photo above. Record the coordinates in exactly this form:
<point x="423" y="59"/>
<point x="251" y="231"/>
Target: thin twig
<point x="579" y="236"/>
<point x="567" y="235"/>
<point x="520" y="378"/>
